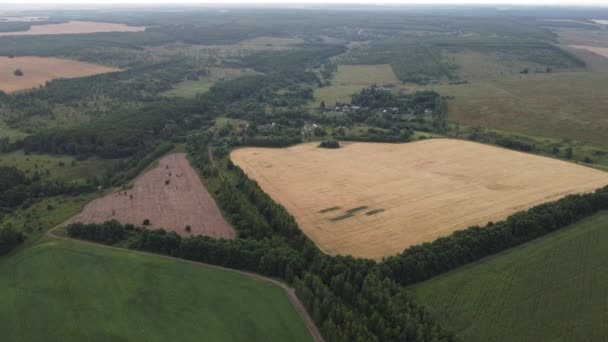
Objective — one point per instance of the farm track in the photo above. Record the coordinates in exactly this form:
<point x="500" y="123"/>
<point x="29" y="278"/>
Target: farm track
<point x="291" y="294"/>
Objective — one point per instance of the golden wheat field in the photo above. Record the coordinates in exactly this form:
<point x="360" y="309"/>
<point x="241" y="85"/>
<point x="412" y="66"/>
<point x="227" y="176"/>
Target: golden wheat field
<point x="38" y="70"/>
<point x="373" y="200"/>
<point x="75" y="27"/>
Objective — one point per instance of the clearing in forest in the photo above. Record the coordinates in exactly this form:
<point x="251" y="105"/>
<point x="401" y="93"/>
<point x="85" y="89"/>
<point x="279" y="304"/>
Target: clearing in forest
<point x="350" y="79"/>
<point x="36" y="71"/>
<point x="191" y="88"/>
<point x="75" y="27"/>
<point x="366" y="75"/>
<point x="170" y="196"/>
<point x="374" y="200"/>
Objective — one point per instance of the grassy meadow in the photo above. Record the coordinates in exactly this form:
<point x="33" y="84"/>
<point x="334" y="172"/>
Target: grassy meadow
<point x="558" y="105"/>
<point x="41" y="216"/>
<point x="69" y="291"/>
<point x="190" y="88"/>
<point x="11" y="133"/>
<point x="351" y="79"/>
<point x="56" y="167"/>
<point x="381" y="74"/>
<point x="550" y="289"/>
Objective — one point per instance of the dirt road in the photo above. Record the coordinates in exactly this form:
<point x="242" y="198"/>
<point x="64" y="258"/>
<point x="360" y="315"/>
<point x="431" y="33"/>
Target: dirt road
<point x="291" y="294"/>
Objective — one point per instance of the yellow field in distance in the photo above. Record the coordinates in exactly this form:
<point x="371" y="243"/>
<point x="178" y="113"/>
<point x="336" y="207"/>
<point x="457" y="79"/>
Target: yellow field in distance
<point x="373" y="200"/>
<point x="38" y="70"/>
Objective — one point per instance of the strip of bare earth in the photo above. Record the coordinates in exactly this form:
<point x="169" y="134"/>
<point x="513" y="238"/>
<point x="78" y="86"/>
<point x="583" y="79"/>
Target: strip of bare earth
<point x="291" y="293"/>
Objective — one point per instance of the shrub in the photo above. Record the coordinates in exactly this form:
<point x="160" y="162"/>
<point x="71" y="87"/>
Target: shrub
<point x="9" y="239"/>
<point x="330" y="144"/>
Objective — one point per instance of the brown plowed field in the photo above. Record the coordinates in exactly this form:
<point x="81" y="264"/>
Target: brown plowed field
<point x="171" y="196"/>
<point x="38" y="70"/>
<point x="373" y="200"/>
<point x="75" y="27"/>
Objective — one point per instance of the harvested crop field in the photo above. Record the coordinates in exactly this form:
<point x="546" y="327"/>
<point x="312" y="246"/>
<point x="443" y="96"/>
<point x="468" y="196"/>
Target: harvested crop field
<point x="599" y="50"/>
<point x="38" y="70"/>
<point x="75" y="27"/>
<point x="373" y="200"/>
<point x="170" y="196"/>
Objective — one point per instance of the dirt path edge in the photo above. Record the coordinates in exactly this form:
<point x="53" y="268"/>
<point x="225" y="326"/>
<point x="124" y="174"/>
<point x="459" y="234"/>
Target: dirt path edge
<point x="291" y="293"/>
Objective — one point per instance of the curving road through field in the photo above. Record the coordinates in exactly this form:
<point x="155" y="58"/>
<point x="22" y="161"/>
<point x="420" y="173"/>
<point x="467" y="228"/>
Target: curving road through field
<point x="291" y="294"/>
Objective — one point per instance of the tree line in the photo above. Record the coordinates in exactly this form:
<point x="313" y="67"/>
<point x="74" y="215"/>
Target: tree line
<point x="348" y="298"/>
<point x="421" y="262"/>
<point x="382" y="310"/>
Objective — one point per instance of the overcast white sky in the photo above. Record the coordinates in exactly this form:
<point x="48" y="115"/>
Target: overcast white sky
<point x="370" y="2"/>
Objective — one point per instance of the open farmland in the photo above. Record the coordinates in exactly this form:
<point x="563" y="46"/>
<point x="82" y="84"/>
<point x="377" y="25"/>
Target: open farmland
<point x="365" y="75"/>
<point x="373" y="200"/>
<point x="70" y="291"/>
<point x="350" y="79"/>
<point x="599" y="50"/>
<point x="170" y="196"/>
<point x="38" y="70"/>
<point x="75" y="27"/>
<point x="558" y="105"/>
<point x="550" y="289"/>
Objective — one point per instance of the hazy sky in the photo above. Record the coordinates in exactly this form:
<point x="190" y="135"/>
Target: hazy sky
<point x="520" y="2"/>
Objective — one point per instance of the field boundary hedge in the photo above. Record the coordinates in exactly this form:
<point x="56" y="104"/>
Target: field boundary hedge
<point x="421" y="262"/>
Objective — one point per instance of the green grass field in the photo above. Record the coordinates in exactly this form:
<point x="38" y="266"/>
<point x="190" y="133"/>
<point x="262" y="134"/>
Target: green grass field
<point x="351" y="79"/>
<point x="559" y="105"/>
<point x="70" y="291"/>
<point x="192" y="88"/>
<point x="366" y="75"/>
<point x="60" y="168"/>
<point x="475" y="65"/>
<point x="11" y="133"/>
<point x="43" y="215"/>
<point x="551" y="289"/>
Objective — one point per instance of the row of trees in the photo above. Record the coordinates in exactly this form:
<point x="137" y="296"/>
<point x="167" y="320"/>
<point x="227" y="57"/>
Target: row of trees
<point x="260" y="256"/>
<point x="330" y="287"/>
<point x="379" y="311"/>
<point x="348" y="298"/>
<point x="421" y="262"/>
<point x="344" y="278"/>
